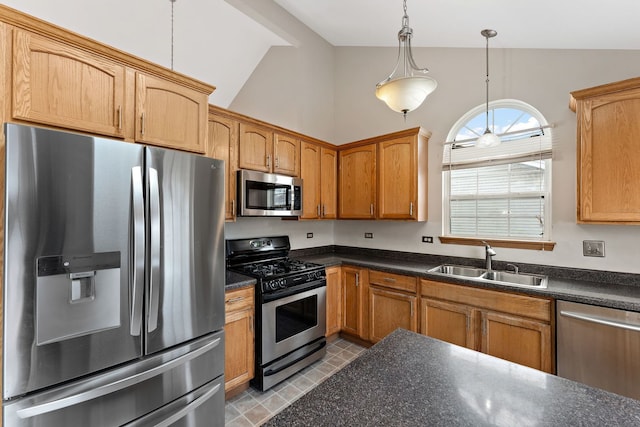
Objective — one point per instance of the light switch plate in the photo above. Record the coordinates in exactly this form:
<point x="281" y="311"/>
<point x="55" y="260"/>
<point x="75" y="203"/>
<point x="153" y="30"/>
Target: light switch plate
<point x="593" y="248"/>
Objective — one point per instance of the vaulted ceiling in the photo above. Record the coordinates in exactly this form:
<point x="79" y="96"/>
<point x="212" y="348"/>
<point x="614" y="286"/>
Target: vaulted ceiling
<point x="215" y="41"/>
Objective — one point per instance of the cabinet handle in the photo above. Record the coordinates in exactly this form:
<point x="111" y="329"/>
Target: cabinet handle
<point x="142" y="124"/>
<point x="323" y="210"/>
<point x="389" y="279"/>
<point x="233" y="207"/>
<point x="411" y="208"/>
<point x="234" y="300"/>
<point x="268" y="160"/>
<point x="357" y="278"/>
<point x="371" y="209"/>
<point x="119" y="117"/>
<point x="277" y="162"/>
<point x="318" y="209"/>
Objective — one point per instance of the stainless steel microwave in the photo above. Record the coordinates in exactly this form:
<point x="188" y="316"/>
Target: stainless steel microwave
<point x="268" y="194"/>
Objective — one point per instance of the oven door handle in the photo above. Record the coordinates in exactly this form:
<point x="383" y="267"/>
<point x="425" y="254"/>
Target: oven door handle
<point x="278" y="369"/>
<point x="268" y="297"/>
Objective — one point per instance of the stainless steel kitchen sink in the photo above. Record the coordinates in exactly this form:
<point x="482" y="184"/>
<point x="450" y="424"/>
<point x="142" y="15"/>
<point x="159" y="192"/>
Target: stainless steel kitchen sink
<point x="458" y="270"/>
<point x="496" y="276"/>
<point x="518" y="279"/>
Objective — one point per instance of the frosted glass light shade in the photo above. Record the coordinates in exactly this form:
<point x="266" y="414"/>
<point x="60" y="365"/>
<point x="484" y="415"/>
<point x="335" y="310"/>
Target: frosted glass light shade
<point x="405" y="94"/>
<point x="488" y="139"/>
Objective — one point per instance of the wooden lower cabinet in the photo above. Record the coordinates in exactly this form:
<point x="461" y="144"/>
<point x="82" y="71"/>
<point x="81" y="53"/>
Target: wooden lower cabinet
<point x="355" y="301"/>
<point x="239" y="344"/>
<point x="510" y="326"/>
<point x="334" y="301"/>
<point x="450" y="322"/>
<point x="393" y="304"/>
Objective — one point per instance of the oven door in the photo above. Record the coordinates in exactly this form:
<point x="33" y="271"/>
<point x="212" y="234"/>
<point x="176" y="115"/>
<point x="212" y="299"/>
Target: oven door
<point x="293" y="321"/>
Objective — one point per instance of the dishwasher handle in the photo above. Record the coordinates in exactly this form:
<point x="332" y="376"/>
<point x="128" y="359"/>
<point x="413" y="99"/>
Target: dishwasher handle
<point x="601" y="320"/>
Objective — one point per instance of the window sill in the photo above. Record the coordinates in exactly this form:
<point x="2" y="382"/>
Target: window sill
<point x="499" y="243"/>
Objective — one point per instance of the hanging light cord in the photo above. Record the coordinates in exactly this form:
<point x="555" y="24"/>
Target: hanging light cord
<point x="172" y="3"/>
<point x="487" y="81"/>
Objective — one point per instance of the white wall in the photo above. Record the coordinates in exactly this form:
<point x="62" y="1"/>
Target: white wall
<point x="542" y="78"/>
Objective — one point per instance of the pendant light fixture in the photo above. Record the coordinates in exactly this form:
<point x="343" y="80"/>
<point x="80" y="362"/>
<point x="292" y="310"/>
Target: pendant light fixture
<point x="405" y="92"/>
<point x="488" y="139"/>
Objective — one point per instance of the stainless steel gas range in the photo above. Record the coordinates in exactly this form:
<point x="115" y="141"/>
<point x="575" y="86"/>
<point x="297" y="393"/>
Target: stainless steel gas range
<point x="290" y="306"/>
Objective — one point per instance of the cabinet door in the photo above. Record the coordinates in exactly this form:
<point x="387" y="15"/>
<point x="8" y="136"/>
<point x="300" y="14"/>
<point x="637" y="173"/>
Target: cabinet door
<point x="329" y="183"/>
<point x="59" y="85"/>
<point x="389" y="310"/>
<point x="354" y="283"/>
<point x="222" y="143"/>
<point x="286" y="155"/>
<point x="256" y="146"/>
<point x="170" y="115"/>
<point x="358" y="182"/>
<point x="608" y="158"/>
<point x="310" y="157"/>
<point x="518" y="340"/>
<point x="334" y="301"/>
<point x="239" y="347"/>
<point x="450" y="322"/>
<point x="397" y="186"/>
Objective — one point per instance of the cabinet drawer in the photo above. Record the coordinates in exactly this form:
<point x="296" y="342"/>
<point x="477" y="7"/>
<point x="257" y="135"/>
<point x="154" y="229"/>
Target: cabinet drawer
<point x="238" y="299"/>
<point x="393" y="281"/>
<point x="505" y="302"/>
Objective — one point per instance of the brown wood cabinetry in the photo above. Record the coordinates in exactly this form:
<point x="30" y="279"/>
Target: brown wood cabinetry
<point x="60" y="79"/>
<point x="355" y="301"/>
<point x="392" y="304"/>
<point x="334" y="300"/>
<point x="385" y="177"/>
<point x="357" y="182"/>
<point x="510" y="326"/>
<point x="170" y="115"/>
<point x="263" y="150"/>
<point x="239" y="344"/>
<point x="222" y="143"/>
<point x="319" y="169"/>
<point x="60" y="85"/>
<point x="608" y="153"/>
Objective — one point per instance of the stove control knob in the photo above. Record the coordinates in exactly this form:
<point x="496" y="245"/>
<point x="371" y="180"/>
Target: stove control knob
<point x="282" y="283"/>
<point x="319" y="274"/>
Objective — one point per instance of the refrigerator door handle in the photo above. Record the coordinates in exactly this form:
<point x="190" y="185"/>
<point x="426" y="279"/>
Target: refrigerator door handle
<point x="137" y="254"/>
<point x="154" y="247"/>
<point x="112" y="387"/>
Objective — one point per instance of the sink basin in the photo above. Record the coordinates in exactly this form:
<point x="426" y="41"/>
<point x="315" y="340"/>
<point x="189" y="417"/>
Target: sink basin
<point x="458" y="270"/>
<point x="518" y="279"/>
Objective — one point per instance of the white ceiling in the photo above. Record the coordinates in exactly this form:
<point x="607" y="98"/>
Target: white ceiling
<point x="219" y="44"/>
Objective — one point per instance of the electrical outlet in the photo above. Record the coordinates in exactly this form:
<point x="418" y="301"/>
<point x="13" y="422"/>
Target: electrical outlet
<point x="427" y="239"/>
<point x="368" y="235"/>
<point x="593" y="248"/>
<point x="309" y="235"/>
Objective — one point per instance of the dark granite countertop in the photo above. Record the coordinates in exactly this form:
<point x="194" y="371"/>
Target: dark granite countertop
<point x="412" y="380"/>
<point x="235" y="281"/>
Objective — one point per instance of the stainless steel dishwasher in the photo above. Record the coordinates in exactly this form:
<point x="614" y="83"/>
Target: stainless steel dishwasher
<point x="599" y="347"/>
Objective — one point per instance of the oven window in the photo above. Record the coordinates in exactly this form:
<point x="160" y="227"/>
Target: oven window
<point x="296" y="317"/>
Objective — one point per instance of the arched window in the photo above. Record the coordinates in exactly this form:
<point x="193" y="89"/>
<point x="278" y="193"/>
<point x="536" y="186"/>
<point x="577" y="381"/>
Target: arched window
<point x="501" y="192"/>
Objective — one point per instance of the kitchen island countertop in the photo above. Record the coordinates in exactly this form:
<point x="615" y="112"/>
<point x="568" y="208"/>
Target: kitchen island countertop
<point x="411" y="380"/>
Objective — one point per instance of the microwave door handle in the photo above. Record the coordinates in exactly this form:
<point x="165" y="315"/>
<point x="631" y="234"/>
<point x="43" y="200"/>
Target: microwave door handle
<point x="154" y="248"/>
<point x="137" y="250"/>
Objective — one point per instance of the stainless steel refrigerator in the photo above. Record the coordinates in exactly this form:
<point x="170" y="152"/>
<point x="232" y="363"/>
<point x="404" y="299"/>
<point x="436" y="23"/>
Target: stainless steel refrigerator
<point x="113" y="283"/>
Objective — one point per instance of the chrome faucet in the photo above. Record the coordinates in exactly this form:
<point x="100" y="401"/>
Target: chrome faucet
<point x="488" y="253"/>
<point x="515" y="268"/>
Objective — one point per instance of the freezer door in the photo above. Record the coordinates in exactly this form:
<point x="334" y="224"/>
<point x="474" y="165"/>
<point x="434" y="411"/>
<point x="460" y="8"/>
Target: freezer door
<point x="185" y="241"/>
<point x="175" y="387"/>
<point x="69" y="209"/>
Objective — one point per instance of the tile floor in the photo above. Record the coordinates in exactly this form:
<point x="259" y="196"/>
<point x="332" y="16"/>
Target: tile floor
<point x="253" y="408"/>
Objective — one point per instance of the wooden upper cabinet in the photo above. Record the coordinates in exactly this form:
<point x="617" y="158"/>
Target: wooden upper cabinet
<point x="357" y="182"/>
<point x="170" y="115"/>
<point x="222" y="143"/>
<point x="319" y="169"/>
<point x="402" y="179"/>
<point x="256" y="148"/>
<point x="608" y="153"/>
<point x="286" y="155"/>
<point x="60" y="85"/>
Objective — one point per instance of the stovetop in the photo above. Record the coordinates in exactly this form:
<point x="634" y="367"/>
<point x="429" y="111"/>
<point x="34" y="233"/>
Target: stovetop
<point x="267" y="260"/>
